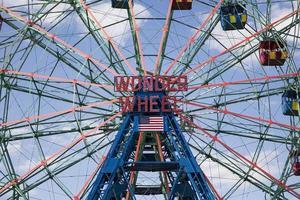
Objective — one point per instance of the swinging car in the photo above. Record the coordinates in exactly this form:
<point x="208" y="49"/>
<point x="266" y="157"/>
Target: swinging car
<point x="233" y="16"/>
<point x="182" y="4"/>
<point x="109" y="125"/>
<point x="122" y="4"/>
<point x="186" y="126"/>
<point x="295" y="158"/>
<point x="272" y="52"/>
<point x="290" y="103"/>
<point x="1" y="21"/>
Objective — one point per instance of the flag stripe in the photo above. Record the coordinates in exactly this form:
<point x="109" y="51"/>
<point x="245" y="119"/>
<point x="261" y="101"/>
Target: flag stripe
<point x="151" y="124"/>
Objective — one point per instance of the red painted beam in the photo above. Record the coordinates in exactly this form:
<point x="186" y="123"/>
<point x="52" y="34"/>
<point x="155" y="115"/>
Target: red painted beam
<point x="193" y="37"/>
<point x="57" y="39"/>
<point x="57" y="113"/>
<point x="224" y="84"/>
<point x="252" y="164"/>
<point x="107" y="36"/>
<point x="164" y="35"/>
<point x="247" y="39"/>
<point x="43" y="163"/>
<point x="53" y="78"/>
<point x="78" y="196"/>
<point x="225" y="111"/>
<point x="137" y="33"/>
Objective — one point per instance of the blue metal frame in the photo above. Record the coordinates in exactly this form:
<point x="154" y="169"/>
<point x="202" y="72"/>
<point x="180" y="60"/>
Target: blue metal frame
<point x="187" y="180"/>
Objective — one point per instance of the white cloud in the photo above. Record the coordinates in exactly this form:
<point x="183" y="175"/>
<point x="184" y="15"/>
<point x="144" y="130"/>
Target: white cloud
<point x="9" y="3"/>
<point x="279" y="11"/>
<point x="218" y="173"/>
<point x="223" y="179"/>
<point x="227" y="38"/>
<point x="14" y="147"/>
<point x="107" y="15"/>
<point x="25" y="165"/>
<point x="55" y="13"/>
<point x="54" y="10"/>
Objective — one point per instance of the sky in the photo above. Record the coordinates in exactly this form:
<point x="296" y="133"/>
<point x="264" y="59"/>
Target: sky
<point x="19" y="53"/>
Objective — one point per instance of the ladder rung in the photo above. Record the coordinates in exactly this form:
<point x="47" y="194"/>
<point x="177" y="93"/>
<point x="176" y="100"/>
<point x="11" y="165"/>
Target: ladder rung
<point x="148" y="157"/>
<point x="148" y="190"/>
<point x="154" y="166"/>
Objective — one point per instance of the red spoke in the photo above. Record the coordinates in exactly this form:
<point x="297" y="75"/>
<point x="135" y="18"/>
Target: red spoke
<point x="213" y="188"/>
<point x="53" y="114"/>
<point x="266" y="121"/>
<point x="164" y="35"/>
<point x="137" y="33"/>
<point x="267" y="27"/>
<point x="265" y="78"/>
<point x="52" y="78"/>
<point x="238" y="155"/>
<point x="109" y="39"/>
<point x="136" y="157"/>
<point x="161" y="157"/>
<point x="78" y="196"/>
<point x="57" y="39"/>
<point x="193" y="37"/>
<point x="44" y="163"/>
<point x="253" y="165"/>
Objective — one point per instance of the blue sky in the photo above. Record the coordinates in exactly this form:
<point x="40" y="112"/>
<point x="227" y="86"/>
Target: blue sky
<point x="150" y="16"/>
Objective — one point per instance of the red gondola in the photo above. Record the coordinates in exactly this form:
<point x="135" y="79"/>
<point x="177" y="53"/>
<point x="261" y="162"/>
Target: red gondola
<point x="182" y="4"/>
<point x="272" y="52"/>
<point x="295" y="158"/>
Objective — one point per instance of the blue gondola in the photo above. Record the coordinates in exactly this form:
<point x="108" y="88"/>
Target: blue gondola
<point x="290" y="103"/>
<point x="233" y="16"/>
<point x="122" y="4"/>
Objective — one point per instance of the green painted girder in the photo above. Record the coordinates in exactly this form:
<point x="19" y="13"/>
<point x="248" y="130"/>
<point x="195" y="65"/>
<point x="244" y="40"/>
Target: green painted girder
<point x="252" y="96"/>
<point x="138" y="54"/>
<point x="195" y="47"/>
<point x="253" y="135"/>
<point x="164" y="44"/>
<point x="234" y="166"/>
<point x="237" y="58"/>
<point x="62" y="56"/>
<point x="64" y="162"/>
<point x="37" y="37"/>
<point x="105" y="45"/>
<point x="45" y="133"/>
<point x="284" y="178"/>
<point x="59" y="57"/>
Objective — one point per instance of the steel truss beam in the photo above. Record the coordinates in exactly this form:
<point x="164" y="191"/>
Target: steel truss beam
<point x="171" y="156"/>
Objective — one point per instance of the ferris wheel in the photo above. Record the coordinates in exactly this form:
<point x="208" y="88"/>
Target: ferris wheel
<point x="232" y="132"/>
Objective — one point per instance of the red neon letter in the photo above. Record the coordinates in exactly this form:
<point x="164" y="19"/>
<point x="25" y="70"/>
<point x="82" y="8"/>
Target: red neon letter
<point x="122" y="83"/>
<point x="165" y="105"/>
<point x="142" y="103"/>
<point x="126" y="104"/>
<point x="153" y="103"/>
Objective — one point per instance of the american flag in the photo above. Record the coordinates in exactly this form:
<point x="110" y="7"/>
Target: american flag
<point x="151" y="124"/>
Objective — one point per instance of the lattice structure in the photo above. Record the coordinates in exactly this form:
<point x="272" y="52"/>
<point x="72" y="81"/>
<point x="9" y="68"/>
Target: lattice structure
<point x="166" y="152"/>
<point x="60" y="113"/>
